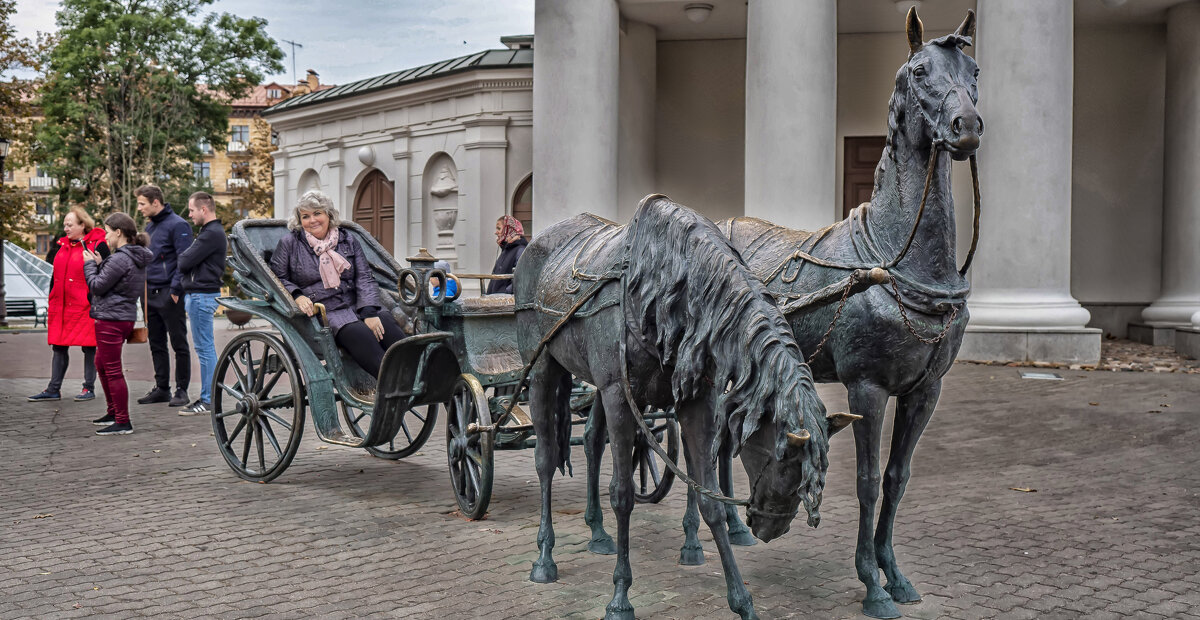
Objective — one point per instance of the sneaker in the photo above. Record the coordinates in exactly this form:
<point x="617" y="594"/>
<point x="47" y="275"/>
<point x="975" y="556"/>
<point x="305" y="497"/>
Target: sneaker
<point x="116" y="429"/>
<point x="197" y="408"/>
<point x="86" y="395"/>
<point x="44" y="395"/>
<point x="156" y="395"/>
<point x="180" y="398"/>
<point x="105" y="421"/>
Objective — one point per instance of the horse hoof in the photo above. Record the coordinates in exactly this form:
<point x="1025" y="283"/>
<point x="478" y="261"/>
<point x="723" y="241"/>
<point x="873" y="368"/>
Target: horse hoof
<point x="691" y="556"/>
<point x="618" y="612"/>
<point x="880" y="607"/>
<point x="903" y="592"/>
<point x="602" y="546"/>
<point x="742" y="538"/>
<point x="544" y="572"/>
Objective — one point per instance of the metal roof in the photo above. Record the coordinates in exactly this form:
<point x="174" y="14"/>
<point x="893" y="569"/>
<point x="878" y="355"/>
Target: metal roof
<point x="489" y="59"/>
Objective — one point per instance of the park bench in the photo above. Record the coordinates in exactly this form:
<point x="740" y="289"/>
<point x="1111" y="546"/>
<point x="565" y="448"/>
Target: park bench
<point x="25" y="307"/>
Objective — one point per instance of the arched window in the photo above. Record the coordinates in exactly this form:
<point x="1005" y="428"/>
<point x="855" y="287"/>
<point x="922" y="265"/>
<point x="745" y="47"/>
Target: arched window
<point x="522" y="206"/>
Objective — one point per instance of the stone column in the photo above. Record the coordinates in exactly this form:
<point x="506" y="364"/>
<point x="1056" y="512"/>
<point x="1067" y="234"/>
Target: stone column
<point x="639" y="82"/>
<point x="791" y="112"/>
<point x="282" y="182"/>
<point x="400" y="175"/>
<point x="575" y="109"/>
<point x="1021" y="306"/>
<point x="483" y="191"/>
<point x="331" y="178"/>
<point x="1180" y="296"/>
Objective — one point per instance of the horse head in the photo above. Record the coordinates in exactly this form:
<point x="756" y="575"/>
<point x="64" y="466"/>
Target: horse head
<point x="786" y="464"/>
<point x="936" y="91"/>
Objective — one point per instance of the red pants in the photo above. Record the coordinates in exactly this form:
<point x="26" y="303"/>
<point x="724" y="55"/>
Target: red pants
<point x="110" y="337"/>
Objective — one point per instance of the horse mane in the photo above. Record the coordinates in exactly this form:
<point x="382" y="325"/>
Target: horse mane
<point x="712" y="322"/>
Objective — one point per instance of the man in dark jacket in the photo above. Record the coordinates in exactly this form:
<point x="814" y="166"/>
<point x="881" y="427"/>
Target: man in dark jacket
<point x="169" y="235"/>
<point x="202" y="267"/>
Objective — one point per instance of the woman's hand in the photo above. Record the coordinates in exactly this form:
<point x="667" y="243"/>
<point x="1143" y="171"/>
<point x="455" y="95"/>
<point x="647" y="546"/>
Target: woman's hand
<point x="88" y="255"/>
<point x="306" y="305"/>
<point x="376" y="326"/>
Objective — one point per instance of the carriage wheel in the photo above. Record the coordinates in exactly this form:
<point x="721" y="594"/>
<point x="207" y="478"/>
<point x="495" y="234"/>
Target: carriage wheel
<point x="416" y="425"/>
<point x="651" y="478"/>
<point x="258" y="406"/>
<point x="469" y="454"/>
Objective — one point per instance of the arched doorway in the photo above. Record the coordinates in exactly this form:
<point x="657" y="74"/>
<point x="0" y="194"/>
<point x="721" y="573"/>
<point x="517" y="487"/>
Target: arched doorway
<point x="375" y="209"/>
<point x="522" y="207"/>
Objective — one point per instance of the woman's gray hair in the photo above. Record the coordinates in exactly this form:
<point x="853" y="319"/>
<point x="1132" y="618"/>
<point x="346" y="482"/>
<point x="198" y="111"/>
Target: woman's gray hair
<point x="314" y="200"/>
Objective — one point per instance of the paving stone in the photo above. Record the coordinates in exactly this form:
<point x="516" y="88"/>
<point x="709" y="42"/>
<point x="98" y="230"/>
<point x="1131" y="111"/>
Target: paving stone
<point x="1110" y="531"/>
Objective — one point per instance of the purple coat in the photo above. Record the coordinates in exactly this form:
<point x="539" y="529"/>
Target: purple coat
<point x="295" y="264"/>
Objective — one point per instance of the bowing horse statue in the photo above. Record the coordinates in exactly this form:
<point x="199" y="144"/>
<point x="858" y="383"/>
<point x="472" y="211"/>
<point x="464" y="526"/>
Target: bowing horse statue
<point x="901" y="338"/>
<point x="662" y="312"/>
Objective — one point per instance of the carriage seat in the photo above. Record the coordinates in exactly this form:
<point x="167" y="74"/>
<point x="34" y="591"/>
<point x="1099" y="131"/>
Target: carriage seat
<point x="500" y="303"/>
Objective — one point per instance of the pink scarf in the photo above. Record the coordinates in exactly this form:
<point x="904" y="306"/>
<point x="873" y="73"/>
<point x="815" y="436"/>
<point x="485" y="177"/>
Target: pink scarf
<point x="330" y="262"/>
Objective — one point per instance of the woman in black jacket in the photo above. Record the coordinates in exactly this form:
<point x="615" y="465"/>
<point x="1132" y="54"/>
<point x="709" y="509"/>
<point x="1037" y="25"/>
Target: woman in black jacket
<point x="510" y="236"/>
<point x="116" y="283"/>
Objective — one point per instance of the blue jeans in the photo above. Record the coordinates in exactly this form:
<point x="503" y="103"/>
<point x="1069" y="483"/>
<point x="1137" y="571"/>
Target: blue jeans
<point x="200" y="308"/>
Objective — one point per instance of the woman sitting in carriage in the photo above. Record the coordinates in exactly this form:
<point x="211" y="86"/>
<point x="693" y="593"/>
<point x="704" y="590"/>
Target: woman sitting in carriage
<point x="319" y="264"/>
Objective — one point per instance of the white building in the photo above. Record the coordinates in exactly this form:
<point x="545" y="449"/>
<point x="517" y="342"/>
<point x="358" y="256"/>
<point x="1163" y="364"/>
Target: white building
<point x="425" y="157"/>
<point x="775" y="108"/>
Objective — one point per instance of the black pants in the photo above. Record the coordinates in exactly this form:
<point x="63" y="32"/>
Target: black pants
<point x="362" y="345"/>
<point x="168" y="318"/>
<point x="62" y="360"/>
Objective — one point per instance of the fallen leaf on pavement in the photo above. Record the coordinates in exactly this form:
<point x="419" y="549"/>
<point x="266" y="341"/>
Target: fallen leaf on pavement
<point x="1094" y="404"/>
<point x="43" y="516"/>
<point x="1023" y="489"/>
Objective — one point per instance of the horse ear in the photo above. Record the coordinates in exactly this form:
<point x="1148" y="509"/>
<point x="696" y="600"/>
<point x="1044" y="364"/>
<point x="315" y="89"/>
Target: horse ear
<point x="835" y="422"/>
<point x="967" y="28"/>
<point x="916" y="31"/>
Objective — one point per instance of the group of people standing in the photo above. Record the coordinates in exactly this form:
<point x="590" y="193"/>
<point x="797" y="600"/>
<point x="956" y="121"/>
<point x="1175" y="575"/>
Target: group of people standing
<point x="100" y="275"/>
<point x="98" y="279"/>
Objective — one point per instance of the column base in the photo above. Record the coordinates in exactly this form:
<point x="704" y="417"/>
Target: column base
<point x="1078" y="345"/>
<point x="1154" y="335"/>
<point x="1167" y="312"/>
<point x="1187" y="342"/>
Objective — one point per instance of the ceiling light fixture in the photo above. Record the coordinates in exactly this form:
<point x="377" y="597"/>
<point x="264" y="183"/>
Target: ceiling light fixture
<point x="698" y="12"/>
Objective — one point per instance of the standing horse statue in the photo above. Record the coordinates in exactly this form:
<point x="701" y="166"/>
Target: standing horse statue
<point x="897" y="340"/>
<point x="664" y="313"/>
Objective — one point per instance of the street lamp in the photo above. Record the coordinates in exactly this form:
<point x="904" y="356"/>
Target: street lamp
<point x="3" y="307"/>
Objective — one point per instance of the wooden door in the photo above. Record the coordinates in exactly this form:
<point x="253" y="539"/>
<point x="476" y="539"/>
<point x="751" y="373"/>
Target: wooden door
<point x="862" y="155"/>
<point x="375" y="209"/>
<point x="522" y="207"/>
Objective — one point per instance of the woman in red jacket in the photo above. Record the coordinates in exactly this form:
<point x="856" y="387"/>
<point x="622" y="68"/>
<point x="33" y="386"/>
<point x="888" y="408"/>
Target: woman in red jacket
<point x="68" y="316"/>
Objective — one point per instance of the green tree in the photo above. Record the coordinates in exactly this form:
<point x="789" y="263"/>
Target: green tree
<point x="16" y="54"/>
<point x="133" y="86"/>
<point x="257" y="196"/>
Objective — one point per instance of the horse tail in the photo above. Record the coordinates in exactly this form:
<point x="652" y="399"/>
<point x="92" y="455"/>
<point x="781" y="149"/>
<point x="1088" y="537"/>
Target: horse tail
<point x="562" y="423"/>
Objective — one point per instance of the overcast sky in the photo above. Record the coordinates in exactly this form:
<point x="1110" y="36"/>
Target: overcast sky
<point x="355" y="39"/>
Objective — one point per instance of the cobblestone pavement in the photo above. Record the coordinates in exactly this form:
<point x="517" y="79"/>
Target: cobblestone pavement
<point x="156" y="524"/>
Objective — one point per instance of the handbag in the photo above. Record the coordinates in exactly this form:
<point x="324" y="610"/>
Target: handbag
<point x="140" y="335"/>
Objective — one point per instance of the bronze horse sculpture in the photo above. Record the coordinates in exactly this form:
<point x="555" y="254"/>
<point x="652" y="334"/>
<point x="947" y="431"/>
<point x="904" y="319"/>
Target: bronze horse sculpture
<point x="901" y="338"/>
<point x="664" y="313"/>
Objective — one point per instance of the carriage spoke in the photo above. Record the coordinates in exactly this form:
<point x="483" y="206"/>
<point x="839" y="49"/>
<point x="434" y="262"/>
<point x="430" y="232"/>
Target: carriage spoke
<point x="237" y="429"/>
<point x="262" y="369"/>
<point x="246" y="446"/>
<point x="241" y="376"/>
<point x="275" y="402"/>
<point x="473" y="475"/>
<point x="258" y="443"/>
<point x="270" y="385"/>
<point x="266" y="430"/>
<point x="233" y="391"/>
<point x="278" y="420"/>
<point x="404" y="427"/>
<point x="250" y="373"/>
<point x="417" y="415"/>
<point x="655" y="474"/>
